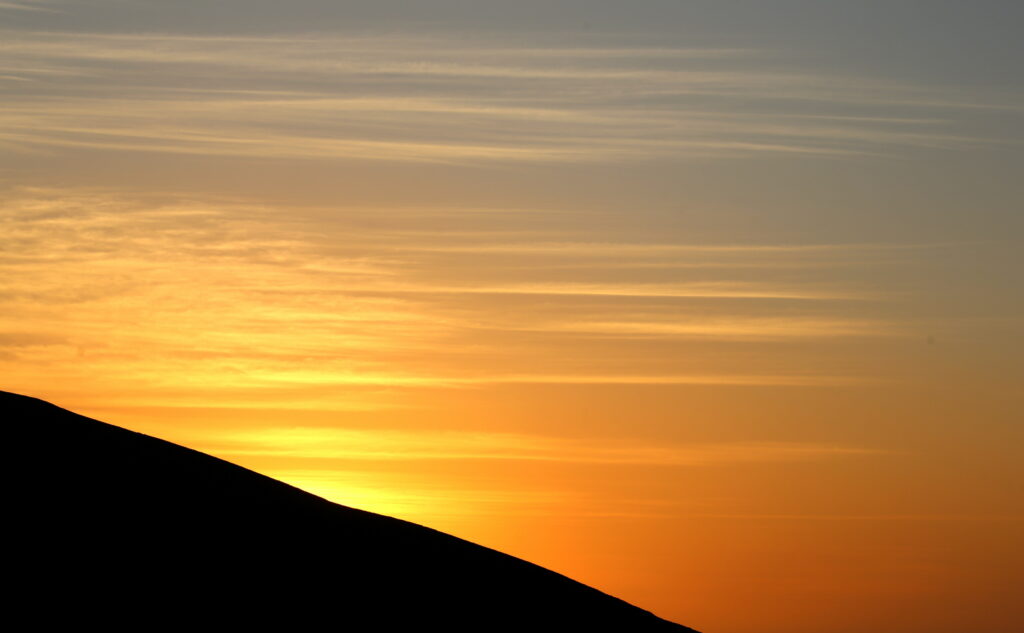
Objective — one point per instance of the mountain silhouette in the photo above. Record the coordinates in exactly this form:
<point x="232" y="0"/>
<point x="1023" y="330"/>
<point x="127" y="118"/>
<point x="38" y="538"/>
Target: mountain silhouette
<point x="112" y="527"/>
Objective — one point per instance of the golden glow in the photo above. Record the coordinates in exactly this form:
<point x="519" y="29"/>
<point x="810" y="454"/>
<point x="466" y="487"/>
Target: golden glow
<point x="702" y="327"/>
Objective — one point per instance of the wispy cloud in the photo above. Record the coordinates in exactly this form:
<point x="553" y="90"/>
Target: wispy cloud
<point x="348" y="378"/>
<point x="412" y="98"/>
<point x="775" y="379"/>
<point x="619" y="249"/>
<point x="184" y="296"/>
<point x="863" y="517"/>
<point x="378" y="444"/>
<point x="27" y="6"/>
<point x="772" y="328"/>
<point x="719" y="290"/>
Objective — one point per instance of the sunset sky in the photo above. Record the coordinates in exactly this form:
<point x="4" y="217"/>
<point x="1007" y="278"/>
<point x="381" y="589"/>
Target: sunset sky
<point x="714" y="305"/>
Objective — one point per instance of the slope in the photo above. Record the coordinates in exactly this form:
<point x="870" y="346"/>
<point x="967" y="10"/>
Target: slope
<point x="112" y="526"/>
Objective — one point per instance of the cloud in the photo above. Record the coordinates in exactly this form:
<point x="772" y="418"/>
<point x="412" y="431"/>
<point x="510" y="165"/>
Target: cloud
<point x="774" y="328"/>
<point x="717" y="290"/>
<point x="383" y="444"/>
<point x="27" y="6"/>
<point x="619" y="249"/>
<point x="368" y="377"/>
<point x="775" y="380"/>
<point x="29" y="339"/>
<point x="228" y="301"/>
<point x="414" y="98"/>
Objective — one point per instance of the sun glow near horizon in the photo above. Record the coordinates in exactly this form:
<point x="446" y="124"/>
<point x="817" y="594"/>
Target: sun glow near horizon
<point x="700" y="305"/>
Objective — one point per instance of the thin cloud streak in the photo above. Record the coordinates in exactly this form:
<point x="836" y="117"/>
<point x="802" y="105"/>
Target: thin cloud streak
<point x="296" y="376"/>
<point x="219" y="294"/>
<point x="619" y="249"/>
<point x="418" y="56"/>
<point x="777" y="380"/>
<point x="861" y="517"/>
<point x="758" y="329"/>
<point x="716" y="290"/>
<point x="418" y="99"/>
<point x="383" y="444"/>
<point x="26" y="6"/>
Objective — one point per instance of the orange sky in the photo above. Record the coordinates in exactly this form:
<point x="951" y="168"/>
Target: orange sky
<point x="728" y="328"/>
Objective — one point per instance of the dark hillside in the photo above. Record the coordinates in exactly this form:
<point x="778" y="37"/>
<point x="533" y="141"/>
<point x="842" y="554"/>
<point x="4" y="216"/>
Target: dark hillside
<point x="111" y="526"/>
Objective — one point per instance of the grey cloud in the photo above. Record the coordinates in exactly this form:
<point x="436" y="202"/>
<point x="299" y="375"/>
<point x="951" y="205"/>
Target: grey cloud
<point x="415" y="98"/>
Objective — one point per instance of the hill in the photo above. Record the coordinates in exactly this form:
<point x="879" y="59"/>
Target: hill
<point x="114" y="527"/>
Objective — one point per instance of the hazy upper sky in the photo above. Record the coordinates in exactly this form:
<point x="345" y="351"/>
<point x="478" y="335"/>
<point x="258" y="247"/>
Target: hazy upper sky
<point x="705" y="304"/>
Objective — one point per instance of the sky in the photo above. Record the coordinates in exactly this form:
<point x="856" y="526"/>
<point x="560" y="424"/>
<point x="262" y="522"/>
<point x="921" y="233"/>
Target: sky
<point x="714" y="306"/>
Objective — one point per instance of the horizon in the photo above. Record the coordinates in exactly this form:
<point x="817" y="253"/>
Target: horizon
<point x="700" y="304"/>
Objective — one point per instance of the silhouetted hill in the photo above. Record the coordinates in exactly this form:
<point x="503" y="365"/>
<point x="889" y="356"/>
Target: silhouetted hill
<point x="112" y="527"/>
